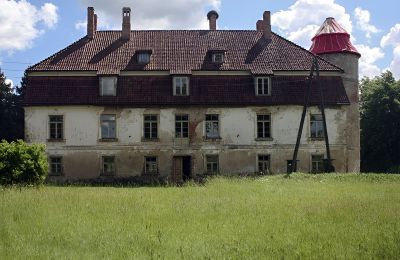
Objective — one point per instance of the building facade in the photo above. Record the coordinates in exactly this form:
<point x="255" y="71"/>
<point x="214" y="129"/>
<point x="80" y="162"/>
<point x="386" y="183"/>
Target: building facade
<point x="177" y="104"/>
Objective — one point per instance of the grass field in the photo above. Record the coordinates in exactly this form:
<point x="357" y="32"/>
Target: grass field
<point x="305" y="216"/>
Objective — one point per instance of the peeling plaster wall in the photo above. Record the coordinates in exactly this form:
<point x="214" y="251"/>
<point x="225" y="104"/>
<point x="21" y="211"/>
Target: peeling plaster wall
<point x="237" y="149"/>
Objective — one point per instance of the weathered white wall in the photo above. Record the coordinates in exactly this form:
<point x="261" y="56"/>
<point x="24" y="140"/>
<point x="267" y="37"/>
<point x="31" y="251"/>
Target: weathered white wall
<point x="237" y="148"/>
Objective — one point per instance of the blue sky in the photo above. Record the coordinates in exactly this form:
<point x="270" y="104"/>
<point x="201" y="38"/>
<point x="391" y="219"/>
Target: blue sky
<point x="31" y="30"/>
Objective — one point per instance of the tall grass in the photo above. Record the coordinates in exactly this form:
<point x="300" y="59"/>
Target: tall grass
<point x="304" y="216"/>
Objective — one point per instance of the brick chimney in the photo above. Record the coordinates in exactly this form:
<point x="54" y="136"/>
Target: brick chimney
<point x="126" y="23"/>
<point x="267" y="24"/>
<point x="212" y="17"/>
<point x="91" y="22"/>
<point x="260" y="26"/>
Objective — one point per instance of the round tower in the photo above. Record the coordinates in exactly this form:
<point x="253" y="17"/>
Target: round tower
<point x="332" y="42"/>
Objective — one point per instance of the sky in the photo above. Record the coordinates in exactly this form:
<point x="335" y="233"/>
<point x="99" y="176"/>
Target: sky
<point x="32" y="30"/>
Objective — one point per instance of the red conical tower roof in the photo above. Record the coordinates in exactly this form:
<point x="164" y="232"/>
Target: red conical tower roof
<point x="332" y="38"/>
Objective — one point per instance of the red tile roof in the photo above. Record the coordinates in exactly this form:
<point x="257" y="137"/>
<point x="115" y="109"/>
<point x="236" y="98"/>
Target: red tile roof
<point x="157" y="91"/>
<point x="181" y="51"/>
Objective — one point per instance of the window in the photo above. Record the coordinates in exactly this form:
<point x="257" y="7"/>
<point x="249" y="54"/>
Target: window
<point x="56" y="127"/>
<point x="262" y="86"/>
<point x="316" y="126"/>
<point x="212" y="164"/>
<point x="182" y="126"/>
<point x="317" y="163"/>
<point x="108" y="126"/>
<point x="212" y="126"/>
<point x="150" y="127"/>
<point x="151" y="165"/>
<point x="218" y="57"/>
<point x="56" y="165"/>
<point x="143" y="57"/>
<point x="263" y="126"/>
<point x="108" y="165"/>
<point x="108" y="86"/>
<point x="181" y="86"/>
<point x="263" y="163"/>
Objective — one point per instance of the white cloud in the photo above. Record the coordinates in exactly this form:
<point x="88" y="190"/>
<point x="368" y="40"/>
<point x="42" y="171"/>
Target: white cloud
<point x="10" y="82"/>
<point x="393" y="39"/>
<point x="363" y="18"/>
<point x="302" y="19"/>
<point x="153" y="14"/>
<point x="21" y="22"/>
<point x="369" y="55"/>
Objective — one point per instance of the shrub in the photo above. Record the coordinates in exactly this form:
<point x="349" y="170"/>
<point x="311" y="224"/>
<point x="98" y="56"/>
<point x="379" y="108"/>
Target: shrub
<point x="21" y="163"/>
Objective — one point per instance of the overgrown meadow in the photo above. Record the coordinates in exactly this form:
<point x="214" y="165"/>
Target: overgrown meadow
<point x="343" y="216"/>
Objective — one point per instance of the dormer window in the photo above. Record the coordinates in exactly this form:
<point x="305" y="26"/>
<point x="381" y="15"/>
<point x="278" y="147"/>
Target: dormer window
<point x="143" y="57"/>
<point x="262" y="86"/>
<point x="181" y="86"/>
<point x="218" y="57"/>
<point x="108" y="86"/>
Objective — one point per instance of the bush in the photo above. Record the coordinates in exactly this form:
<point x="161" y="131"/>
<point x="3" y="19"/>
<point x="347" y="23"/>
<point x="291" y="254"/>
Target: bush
<point x="21" y="163"/>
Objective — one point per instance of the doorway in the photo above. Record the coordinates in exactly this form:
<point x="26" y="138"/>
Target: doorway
<point x="182" y="168"/>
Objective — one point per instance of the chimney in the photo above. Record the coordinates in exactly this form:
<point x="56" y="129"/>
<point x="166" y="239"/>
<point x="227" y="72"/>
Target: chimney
<point x="91" y="23"/>
<point x="126" y="23"/>
<point x="95" y="22"/>
<point x="212" y="17"/>
<point x="260" y="26"/>
<point x="267" y="24"/>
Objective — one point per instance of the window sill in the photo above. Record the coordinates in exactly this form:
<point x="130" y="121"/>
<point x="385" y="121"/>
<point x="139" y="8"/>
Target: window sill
<point x="212" y="139"/>
<point x="263" y="95"/>
<point x="108" y="174"/>
<point x="108" y="140"/>
<point x="56" y="140"/>
<point x="267" y="139"/>
<point x="316" y="139"/>
<point x="55" y="175"/>
<point x="150" y="139"/>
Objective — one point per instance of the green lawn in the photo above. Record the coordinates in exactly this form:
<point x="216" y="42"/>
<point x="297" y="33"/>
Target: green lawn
<point x="306" y="216"/>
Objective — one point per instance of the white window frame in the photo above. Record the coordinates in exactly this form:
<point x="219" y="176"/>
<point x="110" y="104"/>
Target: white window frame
<point x="211" y="122"/>
<point x="60" y="167"/>
<point x="207" y="163"/>
<point x="312" y="163"/>
<point x="214" y="58"/>
<point x="103" y="162"/>
<point x="106" y="120"/>
<point x="59" y="128"/>
<point x="268" y="170"/>
<point x="103" y="80"/>
<point x="151" y="123"/>
<point x="180" y="80"/>
<point x="268" y="88"/>
<point x="180" y="124"/>
<point x="264" y="122"/>
<point x="140" y="57"/>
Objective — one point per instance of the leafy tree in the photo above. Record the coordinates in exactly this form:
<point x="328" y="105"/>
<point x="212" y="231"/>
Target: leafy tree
<point x="11" y="111"/>
<point x="380" y="124"/>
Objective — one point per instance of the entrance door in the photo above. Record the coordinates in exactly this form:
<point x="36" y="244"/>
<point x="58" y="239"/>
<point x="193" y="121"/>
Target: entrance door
<point x="181" y="169"/>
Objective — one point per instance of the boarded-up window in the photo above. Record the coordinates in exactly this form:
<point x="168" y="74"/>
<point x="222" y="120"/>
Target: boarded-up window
<point x="108" y="86"/>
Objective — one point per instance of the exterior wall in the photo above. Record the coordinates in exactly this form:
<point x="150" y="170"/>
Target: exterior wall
<point x="349" y="63"/>
<point x="237" y="149"/>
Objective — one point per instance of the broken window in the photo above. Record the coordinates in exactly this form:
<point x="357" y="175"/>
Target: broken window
<point x="212" y="126"/>
<point x="316" y="126"/>
<point x="212" y="164"/>
<point x="263" y="126"/>
<point x="181" y="86"/>
<point x="317" y="163"/>
<point x="151" y="165"/>
<point x="150" y="127"/>
<point x="182" y="126"/>
<point x="263" y="163"/>
<point x="108" y="165"/>
<point x="56" y="127"/>
<point x="218" y="57"/>
<point x="55" y="165"/>
<point x="108" y="86"/>
<point x="108" y="126"/>
<point x="262" y="85"/>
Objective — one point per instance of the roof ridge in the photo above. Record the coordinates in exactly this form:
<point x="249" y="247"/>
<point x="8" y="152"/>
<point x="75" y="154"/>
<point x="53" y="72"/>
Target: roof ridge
<point x="318" y="57"/>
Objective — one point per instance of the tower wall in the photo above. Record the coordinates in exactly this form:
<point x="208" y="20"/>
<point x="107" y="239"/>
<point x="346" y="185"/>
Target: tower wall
<point x="349" y="63"/>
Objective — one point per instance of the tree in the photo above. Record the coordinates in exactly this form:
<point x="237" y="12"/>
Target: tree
<point x="11" y="112"/>
<point x="380" y="124"/>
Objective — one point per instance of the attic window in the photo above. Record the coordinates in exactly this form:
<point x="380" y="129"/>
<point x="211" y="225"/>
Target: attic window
<point x="218" y="57"/>
<point x="143" y="57"/>
<point x="108" y="86"/>
<point x="262" y="86"/>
